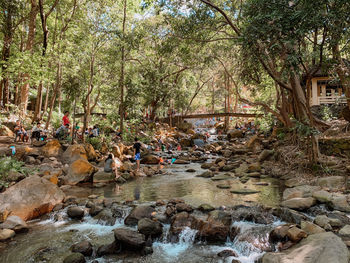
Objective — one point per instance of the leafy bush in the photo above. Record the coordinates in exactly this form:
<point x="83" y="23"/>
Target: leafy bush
<point x="8" y="164"/>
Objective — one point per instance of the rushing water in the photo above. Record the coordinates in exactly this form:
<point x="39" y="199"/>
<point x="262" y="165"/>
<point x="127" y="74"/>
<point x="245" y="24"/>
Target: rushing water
<point x="49" y="240"/>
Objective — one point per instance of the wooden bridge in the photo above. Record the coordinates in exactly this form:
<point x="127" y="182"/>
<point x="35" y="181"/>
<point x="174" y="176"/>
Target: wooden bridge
<point x="178" y="118"/>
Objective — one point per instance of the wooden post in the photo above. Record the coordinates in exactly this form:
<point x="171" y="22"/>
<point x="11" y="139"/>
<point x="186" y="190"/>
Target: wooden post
<point x="314" y="92"/>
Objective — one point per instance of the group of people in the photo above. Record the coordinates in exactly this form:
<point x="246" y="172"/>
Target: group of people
<point x="37" y="132"/>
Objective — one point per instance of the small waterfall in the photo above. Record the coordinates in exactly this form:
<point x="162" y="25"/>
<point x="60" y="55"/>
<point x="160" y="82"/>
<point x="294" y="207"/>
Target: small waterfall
<point x="186" y="240"/>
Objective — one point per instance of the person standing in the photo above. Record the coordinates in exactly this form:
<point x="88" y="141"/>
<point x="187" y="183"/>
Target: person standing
<point x="137" y="153"/>
<point x="65" y="118"/>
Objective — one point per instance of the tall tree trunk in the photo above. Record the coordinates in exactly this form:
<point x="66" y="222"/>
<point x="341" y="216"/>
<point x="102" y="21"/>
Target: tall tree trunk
<point x="343" y="72"/>
<point x="43" y="17"/>
<point x="46" y="99"/>
<point x="121" y="80"/>
<point x="29" y="47"/>
<point x="8" y="37"/>
<point x="55" y="92"/>
<point x="86" y="102"/>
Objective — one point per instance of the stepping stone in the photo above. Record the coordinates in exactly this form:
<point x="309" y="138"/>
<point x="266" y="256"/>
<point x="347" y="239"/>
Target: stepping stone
<point x="244" y="191"/>
<point x="262" y="183"/>
<point x="221" y="177"/>
<point x="223" y="186"/>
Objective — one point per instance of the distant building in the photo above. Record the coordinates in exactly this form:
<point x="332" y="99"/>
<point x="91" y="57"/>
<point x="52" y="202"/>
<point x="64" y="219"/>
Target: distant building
<point x="325" y="90"/>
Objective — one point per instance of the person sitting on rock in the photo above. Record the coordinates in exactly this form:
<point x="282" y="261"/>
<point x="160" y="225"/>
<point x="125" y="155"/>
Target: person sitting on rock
<point x="38" y="133"/>
<point x="111" y="165"/>
<point x="62" y="132"/>
<point x="21" y="132"/>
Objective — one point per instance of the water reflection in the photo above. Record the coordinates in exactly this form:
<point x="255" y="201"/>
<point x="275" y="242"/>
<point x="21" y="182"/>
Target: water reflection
<point x="195" y="190"/>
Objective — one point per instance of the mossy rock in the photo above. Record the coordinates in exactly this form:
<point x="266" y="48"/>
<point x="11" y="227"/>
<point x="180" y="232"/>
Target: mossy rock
<point x="244" y="191"/>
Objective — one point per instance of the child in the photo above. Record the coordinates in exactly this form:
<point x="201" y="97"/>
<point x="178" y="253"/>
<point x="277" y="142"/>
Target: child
<point x="137" y="153"/>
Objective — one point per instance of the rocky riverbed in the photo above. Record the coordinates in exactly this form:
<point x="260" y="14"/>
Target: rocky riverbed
<point x="220" y="202"/>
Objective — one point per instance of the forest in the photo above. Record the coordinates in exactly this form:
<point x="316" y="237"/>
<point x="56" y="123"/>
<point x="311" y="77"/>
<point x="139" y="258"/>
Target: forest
<point x="136" y="56"/>
<point x="168" y="131"/>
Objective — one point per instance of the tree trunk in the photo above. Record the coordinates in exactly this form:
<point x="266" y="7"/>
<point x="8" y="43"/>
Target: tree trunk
<point x="55" y="92"/>
<point x="46" y="99"/>
<point x="343" y="73"/>
<point x="121" y="80"/>
<point x="29" y="47"/>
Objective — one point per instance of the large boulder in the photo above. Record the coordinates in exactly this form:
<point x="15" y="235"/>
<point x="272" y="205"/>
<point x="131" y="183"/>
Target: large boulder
<point x="30" y="198"/>
<point x="332" y="182"/>
<point x="6" y="234"/>
<point x="139" y="212"/>
<point x="52" y="149"/>
<point x="311" y="228"/>
<point x="150" y="159"/>
<point x="217" y="227"/>
<point x="103" y="177"/>
<point x="299" y="191"/>
<point x="129" y="239"/>
<point x="318" y="248"/>
<point x="74" y="152"/>
<point x="83" y="247"/>
<point x="299" y="203"/>
<point x="79" y="171"/>
<point x="148" y="227"/>
<point x="90" y="152"/>
<point x="340" y="202"/>
<point x="289" y="215"/>
<point x="75" y="212"/>
<point x="5" y="131"/>
<point x="181" y="221"/>
<point x="15" y="223"/>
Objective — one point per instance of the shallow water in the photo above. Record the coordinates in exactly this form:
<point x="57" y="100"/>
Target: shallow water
<point x="50" y="240"/>
<point x="177" y="183"/>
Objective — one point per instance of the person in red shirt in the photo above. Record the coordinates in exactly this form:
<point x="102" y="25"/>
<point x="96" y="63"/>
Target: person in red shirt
<point x="65" y="118"/>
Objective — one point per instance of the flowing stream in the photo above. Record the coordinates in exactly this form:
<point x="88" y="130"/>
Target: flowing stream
<point x="50" y="237"/>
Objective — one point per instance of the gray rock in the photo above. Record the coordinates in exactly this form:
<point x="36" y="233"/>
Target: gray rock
<point x="15" y="223"/>
<point x="322" y="196"/>
<point x="105" y="217"/>
<point x="75" y="212"/>
<point x="139" y="212"/>
<point x="6" y="234"/>
<point x="207" y="174"/>
<point x="311" y="228"/>
<point x="318" y="248"/>
<point x="148" y="227"/>
<point x="205" y="208"/>
<point x="244" y="191"/>
<point x="340" y="203"/>
<point x="301" y="191"/>
<point x="95" y="210"/>
<point x="103" y="177"/>
<point x="75" y="258"/>
<point x="129" y="239"/>
<point x="289" y="215"/>
<point x="110" y="249"/>
<point x="345" y="231"/>
<point x="83" y="247"/>
<point x="299" y="203"/>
